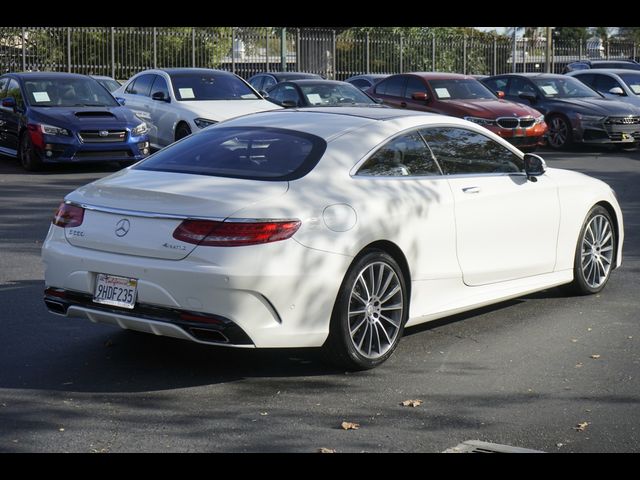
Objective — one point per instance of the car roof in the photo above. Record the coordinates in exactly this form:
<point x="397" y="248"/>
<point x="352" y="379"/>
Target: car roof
<point x="199" y="71"/>
<point x="58" y="75"/>
<point x="316" y="81"/>
<point x="440" y="75"/>
<point x="616" y="71"/>
<point x="528" y="75"/>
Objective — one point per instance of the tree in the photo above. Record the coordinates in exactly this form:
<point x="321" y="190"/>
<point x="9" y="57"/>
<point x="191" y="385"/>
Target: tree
<point x="573" y="34"/>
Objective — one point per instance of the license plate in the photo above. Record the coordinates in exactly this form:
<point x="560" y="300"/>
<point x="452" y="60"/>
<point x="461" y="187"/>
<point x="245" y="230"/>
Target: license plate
<point x="519" y="132"/>
<point x="116" y="291"/>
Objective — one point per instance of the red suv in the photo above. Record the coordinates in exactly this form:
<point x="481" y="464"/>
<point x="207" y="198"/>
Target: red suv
<point x="465" y="97"/>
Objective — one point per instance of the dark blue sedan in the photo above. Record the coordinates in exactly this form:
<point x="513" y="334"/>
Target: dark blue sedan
<point x="48" y="117"/>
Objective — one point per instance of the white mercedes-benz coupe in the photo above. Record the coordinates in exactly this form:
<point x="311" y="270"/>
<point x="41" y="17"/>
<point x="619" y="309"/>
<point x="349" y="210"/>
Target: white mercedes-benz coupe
<point x="176" y="102"/>
<point x="325" y="227"/>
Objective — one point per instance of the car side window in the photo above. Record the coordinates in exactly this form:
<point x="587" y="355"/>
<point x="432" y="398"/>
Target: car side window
<point x="462" y="151"/>
<point x="414" y="85"/>
<point x="160" y="85"/>
<point x="275" y="93"/>
<point x="496" y="84"/>
<point x="588" y="79"/>
<point x="393" y="86"/>
<point x="290" y="93"/>
<point x="604" y="83"/>
<point x="361" y="83"/>
<point x="13" y="90"/>
<point x="3" y="87"/>
<point x="518" y="86"/>
<point x="406" y="155"/>
<point x="268" y="82"/>
<point x="141" y="85"/>
<point x="256" y="82"/>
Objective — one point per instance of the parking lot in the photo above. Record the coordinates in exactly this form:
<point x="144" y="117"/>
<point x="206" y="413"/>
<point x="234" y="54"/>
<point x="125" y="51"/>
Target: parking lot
<point x="545" y="371"/>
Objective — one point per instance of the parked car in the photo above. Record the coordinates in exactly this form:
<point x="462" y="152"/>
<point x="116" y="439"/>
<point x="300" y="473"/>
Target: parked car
<point x="262" y="81"/>
<point x="367" y="80"/>
<point x="465" y="97"/>
<point x="623" y="85"/>
<point x="175" y="102"/>
<point x="50" y="117"/>
<point x="318" y="93"/>
<point x="325" y="227"/>
<point x="573" y="111"/>
<point x="109" y="83"/>
<point x="589" y="64"/>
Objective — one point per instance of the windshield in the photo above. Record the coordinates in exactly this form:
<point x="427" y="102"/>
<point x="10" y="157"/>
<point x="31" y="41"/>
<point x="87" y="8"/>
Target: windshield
<point x="327" y="94"/>
<point x="111" y="85"/>
<point x="460" y="89"/>
<point x="632" y="80"/>
<point x="256" y="153"/>
<point x="565" y="87"/>
<point x="210" y="86"/>
<point x="67" y="92"/>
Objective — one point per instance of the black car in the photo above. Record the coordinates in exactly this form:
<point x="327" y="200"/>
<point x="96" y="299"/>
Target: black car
<point x="50" y="117"/>
<point x="318" y="93"/>
<point x="587" y="64"/>
<point x="573" y="111"/>
<point x="263" y="81"/>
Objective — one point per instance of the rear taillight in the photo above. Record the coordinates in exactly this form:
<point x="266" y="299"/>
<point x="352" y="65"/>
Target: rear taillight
<point x="234" y="233"/>
<point x="68" y="216"/>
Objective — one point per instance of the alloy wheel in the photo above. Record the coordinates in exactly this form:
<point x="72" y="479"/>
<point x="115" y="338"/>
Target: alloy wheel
<point x="597" y="251"/>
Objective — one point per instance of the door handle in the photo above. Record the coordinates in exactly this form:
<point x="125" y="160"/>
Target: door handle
<point x="403" y="104"/>
<point x="471" y="190"/>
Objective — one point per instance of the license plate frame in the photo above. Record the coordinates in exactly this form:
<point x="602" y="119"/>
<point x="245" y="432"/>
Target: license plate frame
<point x="116" y="291"/>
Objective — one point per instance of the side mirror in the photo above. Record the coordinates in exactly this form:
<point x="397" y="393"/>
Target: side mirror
<point x="159" y="96"/>
<point x="120" y="100"/>
<point x="9" y="102"/>
<point x="379" y="101"/>
<point x="500" y="94"/>
<point x="617" y="91"/>
<point x="531" y="97"/>
<point x="534" y="165"/>
<point x="420" y="96"/>
<point x="289" y="103"/>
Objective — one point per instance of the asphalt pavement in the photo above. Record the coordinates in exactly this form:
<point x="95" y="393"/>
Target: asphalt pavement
<point x="545" y="372"/>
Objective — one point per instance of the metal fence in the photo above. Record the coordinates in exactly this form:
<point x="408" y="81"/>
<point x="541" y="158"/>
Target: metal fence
<point x="123" y="51"/>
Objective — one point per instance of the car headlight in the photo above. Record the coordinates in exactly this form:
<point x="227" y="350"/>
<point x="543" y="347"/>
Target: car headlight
<point x="52" y="130"/>
<point x="593" y="119"/>
<point x="139" y="130"/>
<point x="539" y="120"/>
<point x="480" y="121"/>
<point x="204" y="122"/>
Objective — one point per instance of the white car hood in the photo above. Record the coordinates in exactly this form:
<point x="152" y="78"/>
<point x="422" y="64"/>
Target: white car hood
<point x="224" y="109"/>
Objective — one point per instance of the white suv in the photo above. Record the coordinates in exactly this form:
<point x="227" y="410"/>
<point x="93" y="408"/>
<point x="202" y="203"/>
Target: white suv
<point x="176" y="102"/>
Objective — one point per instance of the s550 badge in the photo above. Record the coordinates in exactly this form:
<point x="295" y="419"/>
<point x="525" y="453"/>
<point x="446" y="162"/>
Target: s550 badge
<point x="175" y="247"/>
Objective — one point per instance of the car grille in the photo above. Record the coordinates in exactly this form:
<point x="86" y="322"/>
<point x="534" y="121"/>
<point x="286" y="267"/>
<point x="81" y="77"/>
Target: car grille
<point x="115" y="154"/>
<point x="622" y="121"/>
<point x="103" y="136"/>
<point x="515" y="122"/>
<point x="617" y="126"/>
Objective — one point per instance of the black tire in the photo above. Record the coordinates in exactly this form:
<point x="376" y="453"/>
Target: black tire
<point x="584" y="279"/>
<point x="348" y="326"/>
<point x="560" y="134"/>
<point x="27" y="156"/>
<point x="182" y="130"/>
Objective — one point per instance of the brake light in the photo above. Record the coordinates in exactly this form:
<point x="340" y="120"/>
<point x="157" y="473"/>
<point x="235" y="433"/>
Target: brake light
<point x="35" y="133"/>
<point x="234" y="234"/>
<point x="68" y="216"/>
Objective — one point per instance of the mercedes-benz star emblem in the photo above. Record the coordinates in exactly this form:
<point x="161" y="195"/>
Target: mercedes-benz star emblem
<point x="122" y="227"/>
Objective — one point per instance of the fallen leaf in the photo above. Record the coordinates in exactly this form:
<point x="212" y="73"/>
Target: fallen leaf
<point x="559" y="445"/>
<point x="61" y="429"/>
<point x="579" y="365"/>
<point x="264" y="414"/>
<point x="589" y="329"/>
<point x="350" y="426"/>
<point x="411" y="403"/>
<point x="326" y="450"/>
<point x="595" y="356"/>
<point x="574" y="340"/>
<point x="581" y="427"/>
<point x="629" y="337"/>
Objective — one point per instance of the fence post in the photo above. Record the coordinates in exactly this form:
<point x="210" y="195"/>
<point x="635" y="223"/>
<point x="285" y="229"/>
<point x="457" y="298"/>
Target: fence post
<point x="233" y="49"/>
<point x="113" y="52"/>
<point x="524" y="54"/>
<point x="495" y="55"/>
<point x="333" y="57"/>
<point x="635" y="51"/>
<point x="607" y="40"/>
<point x="464" y="54"/>
<point x="24" y="51"/>
<point x="367" y="50"/>
<point x="580" y="50"/>
<point x="401" y="53"/>
<point x="433" y="52"/>
<point x="297" y="49"/>
<point x="266" y="49"/>
<point x="283" y="48"/>
<point x="193" y="47"/>
<point x="155" y="47"/>
<point x="69" y="49"/>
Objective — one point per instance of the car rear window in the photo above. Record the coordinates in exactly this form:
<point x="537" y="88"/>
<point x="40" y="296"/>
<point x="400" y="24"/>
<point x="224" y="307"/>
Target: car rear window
<point x="253" y="153"/>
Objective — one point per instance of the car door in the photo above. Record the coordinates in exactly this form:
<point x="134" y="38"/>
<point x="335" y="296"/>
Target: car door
<point x="415" y="85"/>
<point x="391" y="91"/>
<point x="137" y="96"/>
<point x="506" y="225"/>
<point x="3" y="114"/>
<point x="163" y="115"/>
<point x="11" y="116"/>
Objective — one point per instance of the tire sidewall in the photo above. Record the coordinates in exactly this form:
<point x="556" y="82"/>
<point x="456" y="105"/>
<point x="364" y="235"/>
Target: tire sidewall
<point x="182" y="128"/>
<point x="28" y="162"/>
<point x="580" y="283"/>
<point x="568" y="140"/>
<point x="339" y="329"/>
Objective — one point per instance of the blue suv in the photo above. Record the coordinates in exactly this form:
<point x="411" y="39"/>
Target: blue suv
<point x="49" y="117"/>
